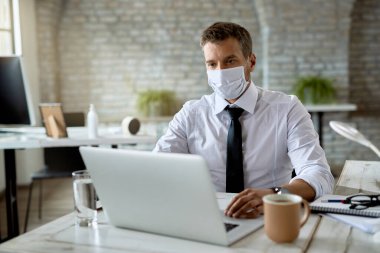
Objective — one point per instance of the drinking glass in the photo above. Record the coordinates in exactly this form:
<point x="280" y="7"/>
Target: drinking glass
<point x="84" y="199"/>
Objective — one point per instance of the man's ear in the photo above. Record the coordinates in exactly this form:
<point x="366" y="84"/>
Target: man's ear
<point x="252" y="61"/>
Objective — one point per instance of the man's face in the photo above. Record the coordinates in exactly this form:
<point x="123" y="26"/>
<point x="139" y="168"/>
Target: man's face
<point x="227" y="54"/>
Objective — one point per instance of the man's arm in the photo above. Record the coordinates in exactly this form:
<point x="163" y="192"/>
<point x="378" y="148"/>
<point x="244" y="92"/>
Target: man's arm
<point x="306" y="155"/>
<point x="301" y="188"/>
<point x="249" y="203"/>
<point x="175" y="138"/>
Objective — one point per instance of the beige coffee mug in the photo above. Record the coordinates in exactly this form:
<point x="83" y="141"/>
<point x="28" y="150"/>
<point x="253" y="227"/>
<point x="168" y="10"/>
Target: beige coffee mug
<point x="282" y="216"/>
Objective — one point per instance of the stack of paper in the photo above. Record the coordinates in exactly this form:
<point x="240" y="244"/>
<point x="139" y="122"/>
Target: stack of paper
<point x="368" y="225"/>
<point x="367" y="220"/>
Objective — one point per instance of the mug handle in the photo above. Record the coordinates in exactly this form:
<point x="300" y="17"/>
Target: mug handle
<point x="306" y="213"/>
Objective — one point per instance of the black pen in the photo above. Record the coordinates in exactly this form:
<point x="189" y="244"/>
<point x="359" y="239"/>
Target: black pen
<point x="333" y="201"/>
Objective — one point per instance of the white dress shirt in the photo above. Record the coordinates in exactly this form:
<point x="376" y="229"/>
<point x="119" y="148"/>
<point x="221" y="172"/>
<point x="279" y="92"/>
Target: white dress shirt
<point x="278" y="135"/>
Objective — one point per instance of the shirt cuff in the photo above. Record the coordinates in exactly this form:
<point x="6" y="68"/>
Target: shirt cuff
<point x="322" y="182"/>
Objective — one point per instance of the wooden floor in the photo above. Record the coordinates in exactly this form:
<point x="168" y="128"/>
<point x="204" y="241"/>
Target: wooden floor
<point x="57" y="201"/>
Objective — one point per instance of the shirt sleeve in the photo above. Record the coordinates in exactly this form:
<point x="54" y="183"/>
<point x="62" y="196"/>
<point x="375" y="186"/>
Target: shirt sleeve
<point x="175" y="138"/>
<point x="305" y="152"/>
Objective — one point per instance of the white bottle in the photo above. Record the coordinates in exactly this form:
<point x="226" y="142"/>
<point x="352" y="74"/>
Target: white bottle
<point x="92" y="123"/>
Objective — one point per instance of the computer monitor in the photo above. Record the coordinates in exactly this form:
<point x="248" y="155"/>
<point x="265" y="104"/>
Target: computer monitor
<point x="16" y="107"/>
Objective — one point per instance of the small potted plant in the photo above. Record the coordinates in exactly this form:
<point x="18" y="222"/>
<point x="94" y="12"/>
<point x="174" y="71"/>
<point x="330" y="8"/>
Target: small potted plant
<point x="314" y="90"/>
<point x="155" y="103"/>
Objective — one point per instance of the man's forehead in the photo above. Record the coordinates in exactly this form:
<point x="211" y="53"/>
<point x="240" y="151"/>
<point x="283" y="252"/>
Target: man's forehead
<point x="222" y="49"/>
<point x="228" y="42"/>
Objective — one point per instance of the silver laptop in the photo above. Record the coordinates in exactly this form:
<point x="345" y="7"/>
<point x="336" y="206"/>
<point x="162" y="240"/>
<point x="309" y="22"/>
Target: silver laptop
<point x="168" y="194"/>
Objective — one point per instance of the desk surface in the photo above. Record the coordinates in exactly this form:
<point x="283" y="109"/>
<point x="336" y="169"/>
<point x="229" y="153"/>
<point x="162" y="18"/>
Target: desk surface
<point x="331" y="107"/>
<point x="359" y="177"/>
<point x="320" y="234"/>
<point x="23" y="141"/>
<point x="9" y="142"/>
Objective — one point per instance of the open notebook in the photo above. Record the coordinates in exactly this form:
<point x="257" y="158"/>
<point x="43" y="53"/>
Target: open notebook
<point x="320" y="206"/>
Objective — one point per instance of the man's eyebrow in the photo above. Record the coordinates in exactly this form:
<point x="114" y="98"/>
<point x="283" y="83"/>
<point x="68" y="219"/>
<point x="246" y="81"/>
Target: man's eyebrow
<point x="230" y="57"/>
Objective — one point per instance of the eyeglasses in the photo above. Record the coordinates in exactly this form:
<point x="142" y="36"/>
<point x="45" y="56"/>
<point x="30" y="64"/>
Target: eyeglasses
<point x="361" y="201"/>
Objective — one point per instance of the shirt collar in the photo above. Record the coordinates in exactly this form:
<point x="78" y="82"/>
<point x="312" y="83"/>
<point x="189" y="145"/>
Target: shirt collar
<point x="247" y="101"/>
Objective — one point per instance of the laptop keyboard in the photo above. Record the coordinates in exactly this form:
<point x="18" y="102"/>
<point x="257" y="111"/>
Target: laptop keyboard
<point x="229" y="226"/>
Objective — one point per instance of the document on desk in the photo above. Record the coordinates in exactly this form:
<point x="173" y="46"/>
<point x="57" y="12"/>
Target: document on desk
<point x="368" y="225"/>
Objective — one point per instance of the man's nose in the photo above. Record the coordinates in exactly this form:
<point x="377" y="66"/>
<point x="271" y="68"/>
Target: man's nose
<point x="221" y="66"/>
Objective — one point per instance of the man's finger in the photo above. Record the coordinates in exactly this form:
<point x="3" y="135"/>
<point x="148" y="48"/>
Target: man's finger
<point x="235" y="199"/>
<point x="236" y="204"/>
<point x="239" y="195"/>
<point x="239" y="203"/>
<point x="249" y="210"/>
<point x="250" y="214"/>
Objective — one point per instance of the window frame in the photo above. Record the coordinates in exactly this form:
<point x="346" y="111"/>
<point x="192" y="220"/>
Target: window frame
<point x="14" y="28"/>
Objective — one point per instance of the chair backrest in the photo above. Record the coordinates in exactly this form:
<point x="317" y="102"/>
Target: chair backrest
<point x="66" y="158"/>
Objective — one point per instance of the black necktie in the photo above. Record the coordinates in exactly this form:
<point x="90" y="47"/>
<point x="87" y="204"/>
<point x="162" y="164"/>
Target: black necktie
<point x="234" y="174"/>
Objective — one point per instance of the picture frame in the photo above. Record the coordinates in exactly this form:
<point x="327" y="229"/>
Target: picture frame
<point x="53" y="120"/>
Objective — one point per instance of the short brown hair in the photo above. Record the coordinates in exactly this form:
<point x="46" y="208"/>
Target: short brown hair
<point x="220" y="31"/>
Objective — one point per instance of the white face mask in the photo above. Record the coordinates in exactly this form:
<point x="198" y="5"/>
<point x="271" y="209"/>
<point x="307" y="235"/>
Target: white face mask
<point x="228" y="83"/>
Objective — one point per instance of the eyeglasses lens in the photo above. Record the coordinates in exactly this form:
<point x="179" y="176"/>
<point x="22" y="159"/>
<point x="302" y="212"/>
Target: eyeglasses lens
<point x="361" y="202"/>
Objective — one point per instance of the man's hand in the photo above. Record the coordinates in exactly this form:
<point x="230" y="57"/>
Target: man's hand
<point x="247" y="204"/>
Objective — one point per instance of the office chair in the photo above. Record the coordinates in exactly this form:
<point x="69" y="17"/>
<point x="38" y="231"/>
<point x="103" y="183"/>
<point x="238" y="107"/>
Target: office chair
<point x="59" y="163"/>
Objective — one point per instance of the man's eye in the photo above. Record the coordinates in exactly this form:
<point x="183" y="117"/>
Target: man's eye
<point x="211" y="65"/>
<point x="231" y="61"/>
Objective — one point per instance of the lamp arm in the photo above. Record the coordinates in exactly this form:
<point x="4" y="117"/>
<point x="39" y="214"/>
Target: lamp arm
<point x="374" y="149"/>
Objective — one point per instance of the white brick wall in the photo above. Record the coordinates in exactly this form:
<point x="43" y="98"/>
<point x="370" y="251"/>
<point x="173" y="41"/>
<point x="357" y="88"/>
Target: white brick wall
<point x="48" y="18"/>
<point x="105" y="51"/>
<point x="110" y="50"/>
<point x="365" y="55"/>
<point x="307" y="38"/>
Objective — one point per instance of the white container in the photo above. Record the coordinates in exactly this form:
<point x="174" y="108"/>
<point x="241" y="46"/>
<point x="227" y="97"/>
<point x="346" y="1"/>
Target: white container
<point x="92" y="123"/>
<point x="130" y="126"/>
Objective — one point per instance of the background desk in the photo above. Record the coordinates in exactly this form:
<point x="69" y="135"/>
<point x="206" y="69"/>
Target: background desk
<point x="320" y="234"/>
<point x="317" y="112"/>
<point x="10" y="142"/>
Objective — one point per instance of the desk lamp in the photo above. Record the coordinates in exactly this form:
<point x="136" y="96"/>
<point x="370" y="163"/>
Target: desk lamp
<point x="353" y="134"/>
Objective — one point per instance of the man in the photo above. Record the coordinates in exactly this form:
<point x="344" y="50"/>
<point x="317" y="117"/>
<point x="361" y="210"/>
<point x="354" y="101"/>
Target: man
<point x="252" y="150"/>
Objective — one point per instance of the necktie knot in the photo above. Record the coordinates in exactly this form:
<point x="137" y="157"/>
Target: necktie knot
<point x="235" y="112"/>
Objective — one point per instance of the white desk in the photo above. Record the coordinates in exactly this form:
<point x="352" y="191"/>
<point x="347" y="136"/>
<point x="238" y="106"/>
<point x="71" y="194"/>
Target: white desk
<point x="359" y="177"/>
<point x="317" y="112"/>
<point x="10" y="142"/>
<point x="318" y="235"/>
<point x="41" y="141"/>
